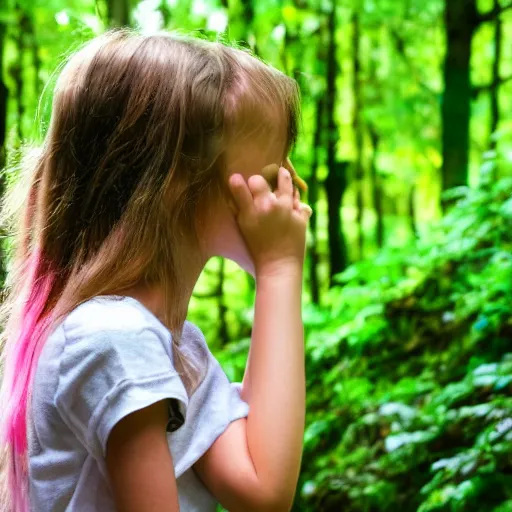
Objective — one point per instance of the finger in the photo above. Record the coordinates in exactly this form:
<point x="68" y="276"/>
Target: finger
<point x="306" y="211"/>
<point x="284" y="183"/>
<point x="240" y="192"/>
<point x="258" y="186"/>
<point x="296" y="199"/>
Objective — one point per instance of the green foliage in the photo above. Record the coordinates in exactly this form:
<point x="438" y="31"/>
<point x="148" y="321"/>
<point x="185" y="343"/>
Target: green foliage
<point x="410" y="377"/>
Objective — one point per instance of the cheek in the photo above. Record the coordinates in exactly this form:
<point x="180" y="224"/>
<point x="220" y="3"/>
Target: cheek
<point x="225" y="239"/>
<point x="229" y="239"/>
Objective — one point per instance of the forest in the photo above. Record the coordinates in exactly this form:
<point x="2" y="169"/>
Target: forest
<point x="406" y="146"/>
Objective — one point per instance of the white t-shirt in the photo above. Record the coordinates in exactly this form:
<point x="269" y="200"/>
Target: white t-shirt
<point x="108" y="358"/>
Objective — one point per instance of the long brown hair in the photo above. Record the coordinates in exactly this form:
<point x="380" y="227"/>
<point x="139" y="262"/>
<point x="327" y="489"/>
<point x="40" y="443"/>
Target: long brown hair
<point x="132" y="160"/>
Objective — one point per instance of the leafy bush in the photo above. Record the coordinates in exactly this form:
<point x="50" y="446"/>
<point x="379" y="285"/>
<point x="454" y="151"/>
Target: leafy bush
<point x="410" y="374"/>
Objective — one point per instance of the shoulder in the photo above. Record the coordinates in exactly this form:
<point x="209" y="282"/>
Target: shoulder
<point x="116" y="359"/>
<point x="111" y="315"/>
<point x="118" y="315"/>
<point x="115" y="333"/>
<point x="192" y="338"/>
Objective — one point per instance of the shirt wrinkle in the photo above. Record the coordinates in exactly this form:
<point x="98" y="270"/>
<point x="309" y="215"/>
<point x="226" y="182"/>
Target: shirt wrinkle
<point x="76" y="402"/>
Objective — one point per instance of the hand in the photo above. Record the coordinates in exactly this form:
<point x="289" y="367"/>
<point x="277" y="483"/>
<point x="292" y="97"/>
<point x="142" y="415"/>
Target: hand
<point x="273" y="224"/>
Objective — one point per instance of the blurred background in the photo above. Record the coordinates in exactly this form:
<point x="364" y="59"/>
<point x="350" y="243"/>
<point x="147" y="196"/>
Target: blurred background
<point x="406" y="145"/>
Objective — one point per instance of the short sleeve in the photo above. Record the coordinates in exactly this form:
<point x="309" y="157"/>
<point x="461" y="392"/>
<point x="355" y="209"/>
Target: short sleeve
<point x="215" y="404"/>
<point x="106" y="375"/>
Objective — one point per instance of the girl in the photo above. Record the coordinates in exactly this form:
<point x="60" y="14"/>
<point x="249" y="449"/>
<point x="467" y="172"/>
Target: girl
<point x="152" y="164"/>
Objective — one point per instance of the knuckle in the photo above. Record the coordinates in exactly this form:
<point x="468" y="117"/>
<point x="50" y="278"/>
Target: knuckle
<point x="286" y="201"/>
<point x="269" y="203"/>
<point x="273" y="203"/>
<point x="265" y="204"/>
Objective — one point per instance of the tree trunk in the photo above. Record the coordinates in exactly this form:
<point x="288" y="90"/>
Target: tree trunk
<point x="248" y="19"/>
<point x="335" y="185"/>
<point x="17" y="68"/>
<point x="495" y="106"/>
<point x="376" y="187"/>
<point x="376" y="183"/>
<point x="223" y="333"/>
<point x="4" y="93"/>
<point x="358" y="132"/>
<point x="411" y="204"/>
<point x="336" y="181"/>
<point x="36" y="60"/>
<point x="118" y="12"/>
<point x="314" y="257"/>
<point x="460" y="24"/>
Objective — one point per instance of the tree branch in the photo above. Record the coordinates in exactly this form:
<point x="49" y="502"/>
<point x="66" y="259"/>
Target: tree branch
<point x="492" y="15"/>
<point x="477" y="89"/>
<point x="208" y="295"/>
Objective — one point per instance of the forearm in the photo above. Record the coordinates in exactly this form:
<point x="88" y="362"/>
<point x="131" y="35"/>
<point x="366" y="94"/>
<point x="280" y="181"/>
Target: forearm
<point x="274" y="382"/>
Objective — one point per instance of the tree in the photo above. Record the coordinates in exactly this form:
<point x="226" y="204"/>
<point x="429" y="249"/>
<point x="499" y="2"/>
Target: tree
<point x="376" y="186"/>
<point x="495" y="106"/>
<point x="3" y="130"/>
<point x="314" y="256"/>
<point x="358" y="131"/>
<point x="222" y="332"/>
<point x="118" y="12"/>
<point x="336" y="181"/>
<point x="460" y="20"/>
<point x="17" y="67"/>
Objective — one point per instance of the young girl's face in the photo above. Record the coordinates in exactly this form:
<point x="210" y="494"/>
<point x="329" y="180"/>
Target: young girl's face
<point x="247" y="158"/>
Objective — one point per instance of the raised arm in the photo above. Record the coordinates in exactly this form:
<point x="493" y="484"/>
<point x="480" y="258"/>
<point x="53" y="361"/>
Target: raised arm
<point x="254" y="465"/>
<point x="274" y="383"/>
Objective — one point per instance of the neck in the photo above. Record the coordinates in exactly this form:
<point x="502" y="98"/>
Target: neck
<point x="152" y="296"/>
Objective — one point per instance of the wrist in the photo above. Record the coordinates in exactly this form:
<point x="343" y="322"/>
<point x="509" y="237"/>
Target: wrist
<point x="291" y="268"/>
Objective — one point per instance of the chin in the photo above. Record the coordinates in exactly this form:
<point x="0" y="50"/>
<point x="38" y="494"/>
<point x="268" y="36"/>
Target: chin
<point x="240" y="257"/>
<point x="228" y="242"/>
<point x="248" y="267"/>
<point x="244" y="262"/>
